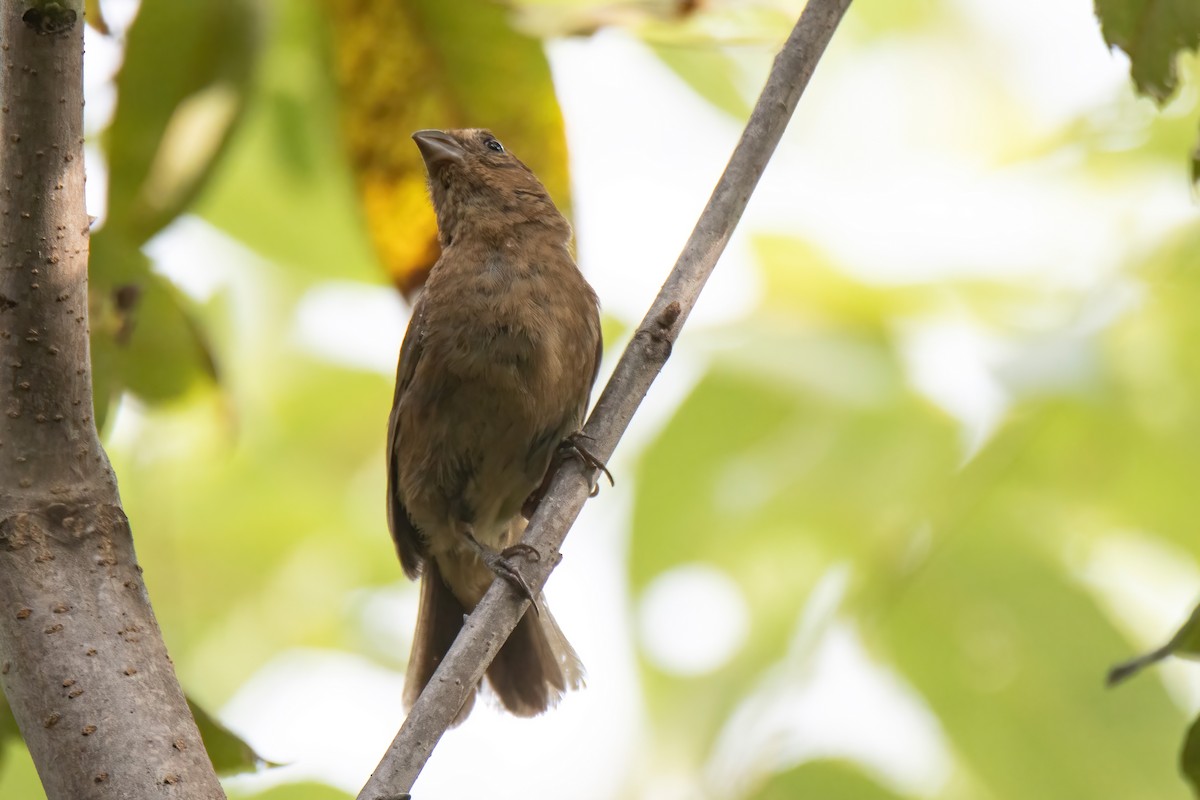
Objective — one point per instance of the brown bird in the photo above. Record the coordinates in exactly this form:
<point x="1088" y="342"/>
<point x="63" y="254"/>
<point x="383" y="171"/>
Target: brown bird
<point x="495" y="373"/>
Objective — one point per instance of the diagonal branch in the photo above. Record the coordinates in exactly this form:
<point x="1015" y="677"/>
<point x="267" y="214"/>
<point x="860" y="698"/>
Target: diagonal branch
<point x="498" y="613"/>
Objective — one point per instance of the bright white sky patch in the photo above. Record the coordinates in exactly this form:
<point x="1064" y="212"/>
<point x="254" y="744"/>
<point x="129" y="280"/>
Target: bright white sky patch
<point x="641" y="174"/>
<point x="353" y="323"/>
<point x="693" y="619"/>
<point x="828" y="698"/>
<point x="199" y="258"/>
<point x="328" y="716"/>
<point x="947" y="360"/>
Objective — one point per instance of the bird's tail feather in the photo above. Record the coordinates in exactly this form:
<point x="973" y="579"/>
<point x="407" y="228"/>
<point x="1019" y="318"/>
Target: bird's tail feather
<point x="536" y="666"/>
<point x="531" y="672"/>
<point x="439" y="619"/>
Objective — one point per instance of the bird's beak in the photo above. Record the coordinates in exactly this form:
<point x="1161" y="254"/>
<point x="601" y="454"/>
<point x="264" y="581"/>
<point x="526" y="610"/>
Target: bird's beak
<point x="438" y="147"/>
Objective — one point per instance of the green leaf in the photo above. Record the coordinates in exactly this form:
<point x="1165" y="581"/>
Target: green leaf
<point x="826" y="780"/>
<point x="93" y="14"/>
<point x="18" y="776"/>
<point x="8" y="723"/>
<point x="167" y="352"/>
<point x="294" y="791"/>
<point x="1185" y="642"/>
<point x="9" y="732"/>
<point x="229" y="753"/>
<point x="315" y="427"/>
<point x="1152" y="33"/>
<point x="143" y="333"/>
<point x="285" y="189"/>
<point x="1189" y="757"/>
<point x="1004" y="645"/>
<point x="1196" y="164"/>
<point x="710" y="72"/>
<point x="180" y="92"/>
<point x="801" y="448"/>
<point x="802" y="281"/>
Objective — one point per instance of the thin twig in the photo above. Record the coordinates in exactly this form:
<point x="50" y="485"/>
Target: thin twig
<point x="501" y="608"/>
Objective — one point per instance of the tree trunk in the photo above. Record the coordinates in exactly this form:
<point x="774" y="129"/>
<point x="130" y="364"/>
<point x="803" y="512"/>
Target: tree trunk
<point x="82" y="661"/>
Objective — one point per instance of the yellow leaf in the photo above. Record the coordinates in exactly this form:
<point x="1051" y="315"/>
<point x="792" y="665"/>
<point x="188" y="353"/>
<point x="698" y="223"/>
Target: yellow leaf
<point x="93" y="15"/>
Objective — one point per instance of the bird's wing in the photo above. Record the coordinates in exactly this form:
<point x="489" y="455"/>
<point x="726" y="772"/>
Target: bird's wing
<point x="409" y="544"/>
<point x="596" y="363"/>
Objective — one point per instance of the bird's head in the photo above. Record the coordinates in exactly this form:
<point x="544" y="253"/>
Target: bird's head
<point x="479" y="187"/>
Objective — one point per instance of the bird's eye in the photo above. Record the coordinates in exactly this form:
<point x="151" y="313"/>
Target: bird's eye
<point x="492" y="144"/>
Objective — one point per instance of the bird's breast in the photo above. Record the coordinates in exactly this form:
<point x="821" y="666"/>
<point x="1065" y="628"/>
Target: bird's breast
<point x="504" y="325"/>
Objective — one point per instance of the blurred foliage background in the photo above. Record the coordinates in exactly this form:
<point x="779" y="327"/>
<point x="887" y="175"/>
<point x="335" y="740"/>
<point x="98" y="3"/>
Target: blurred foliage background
<point x="881" y="533"/>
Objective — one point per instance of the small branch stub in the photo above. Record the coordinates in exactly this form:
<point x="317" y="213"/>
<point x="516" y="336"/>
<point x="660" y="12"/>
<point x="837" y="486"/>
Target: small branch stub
<point x="50" y="18"/>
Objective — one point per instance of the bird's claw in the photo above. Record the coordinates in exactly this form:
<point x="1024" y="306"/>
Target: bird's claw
<point x="502" y="567"/>
<point x="574" y="446"/>
<point x="505" y="569"/>
<point x="522" y="549"/>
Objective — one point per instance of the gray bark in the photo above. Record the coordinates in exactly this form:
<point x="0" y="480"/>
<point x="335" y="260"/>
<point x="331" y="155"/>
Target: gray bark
<point x="501" y="608"/>
<point x="82" y="662"/>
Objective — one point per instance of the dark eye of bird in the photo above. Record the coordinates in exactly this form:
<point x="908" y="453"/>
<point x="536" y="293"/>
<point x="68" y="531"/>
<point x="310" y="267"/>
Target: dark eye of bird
<point x="492" y="144"/>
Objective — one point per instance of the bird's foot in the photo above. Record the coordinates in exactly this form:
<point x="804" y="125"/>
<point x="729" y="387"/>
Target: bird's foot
<point x="573" y="447"/>
<point x="502" y="566"/>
